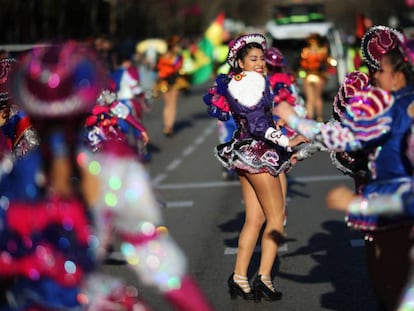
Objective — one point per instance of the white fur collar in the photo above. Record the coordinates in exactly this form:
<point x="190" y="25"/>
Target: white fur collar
<point x="247" y="87"/>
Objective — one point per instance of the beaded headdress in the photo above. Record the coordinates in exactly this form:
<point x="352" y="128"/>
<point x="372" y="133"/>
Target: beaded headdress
<point x="236" y="45"/>
<point x="379" y="40"/>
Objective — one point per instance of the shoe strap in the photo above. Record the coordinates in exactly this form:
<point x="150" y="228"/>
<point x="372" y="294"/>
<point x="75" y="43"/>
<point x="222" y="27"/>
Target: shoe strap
<point x="266" y="279"/>
<point x="243" y="282"/>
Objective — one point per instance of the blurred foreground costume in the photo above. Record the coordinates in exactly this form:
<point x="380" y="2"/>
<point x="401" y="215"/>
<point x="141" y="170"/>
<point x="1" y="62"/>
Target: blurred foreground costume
<point x="60" y="202"/>
<point x="14" y="123"/>
<point x="398" y="203"/>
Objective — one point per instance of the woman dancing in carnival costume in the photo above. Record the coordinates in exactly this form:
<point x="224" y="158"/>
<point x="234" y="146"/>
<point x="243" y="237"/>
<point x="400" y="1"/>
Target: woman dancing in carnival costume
<point x="169" y="82"/>
<point x="259" y="152"/>
<point x="284" y="88"/>
<point x="377" y="119"/>
<point x="313" y="64"/>
<point x="392" y="205"/>
<point x="14" y="123"/>
<point x="283" y="83"/>
<point x="401" y="202"/>
<point x="60" y="201"/>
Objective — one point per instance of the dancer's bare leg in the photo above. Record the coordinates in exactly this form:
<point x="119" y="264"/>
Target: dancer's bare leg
<point x="309" y="91"/>
<point x="318" y="87"/>
<point x="269" y="193"/>
<point x="170" y="108"/>
<point x="254" y="220"/>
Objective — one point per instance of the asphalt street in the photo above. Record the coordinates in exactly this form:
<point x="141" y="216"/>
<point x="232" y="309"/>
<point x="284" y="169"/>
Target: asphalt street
<point x="319" y="267"/>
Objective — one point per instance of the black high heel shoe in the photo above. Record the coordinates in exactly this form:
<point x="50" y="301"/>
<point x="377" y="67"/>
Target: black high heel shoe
<point x="235" y="290"/>
<point x="261" y="290"/>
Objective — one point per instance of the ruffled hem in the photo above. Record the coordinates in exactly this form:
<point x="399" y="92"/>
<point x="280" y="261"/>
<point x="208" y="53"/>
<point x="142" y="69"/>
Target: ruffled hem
<point x="253" y="156"/>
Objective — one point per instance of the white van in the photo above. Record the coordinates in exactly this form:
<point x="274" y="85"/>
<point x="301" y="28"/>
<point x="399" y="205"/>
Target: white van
<point x="288" y="31"/>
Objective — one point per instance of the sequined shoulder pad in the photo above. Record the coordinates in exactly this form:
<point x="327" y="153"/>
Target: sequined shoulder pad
<point x="215" y="99"/>
<point x="367" y="113"/>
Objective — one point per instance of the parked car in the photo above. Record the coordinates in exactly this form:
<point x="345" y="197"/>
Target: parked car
<point x="291" y="26"/>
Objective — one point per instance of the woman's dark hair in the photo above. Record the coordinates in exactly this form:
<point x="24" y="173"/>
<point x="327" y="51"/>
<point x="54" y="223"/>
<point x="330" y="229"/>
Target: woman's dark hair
<point x="401" y="63"/>
<point x="245" y="50"/>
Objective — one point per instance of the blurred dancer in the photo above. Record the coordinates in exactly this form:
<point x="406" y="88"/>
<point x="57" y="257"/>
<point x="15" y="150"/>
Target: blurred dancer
<point x="283" y="87"/>
<point x="393" y="205"/>
<point x="259" y="152"/>
<point x="111" y="120"/>
<point x="170" y="82"/>
<point x="313" y="62"/>
<point x="60" y="203"/>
